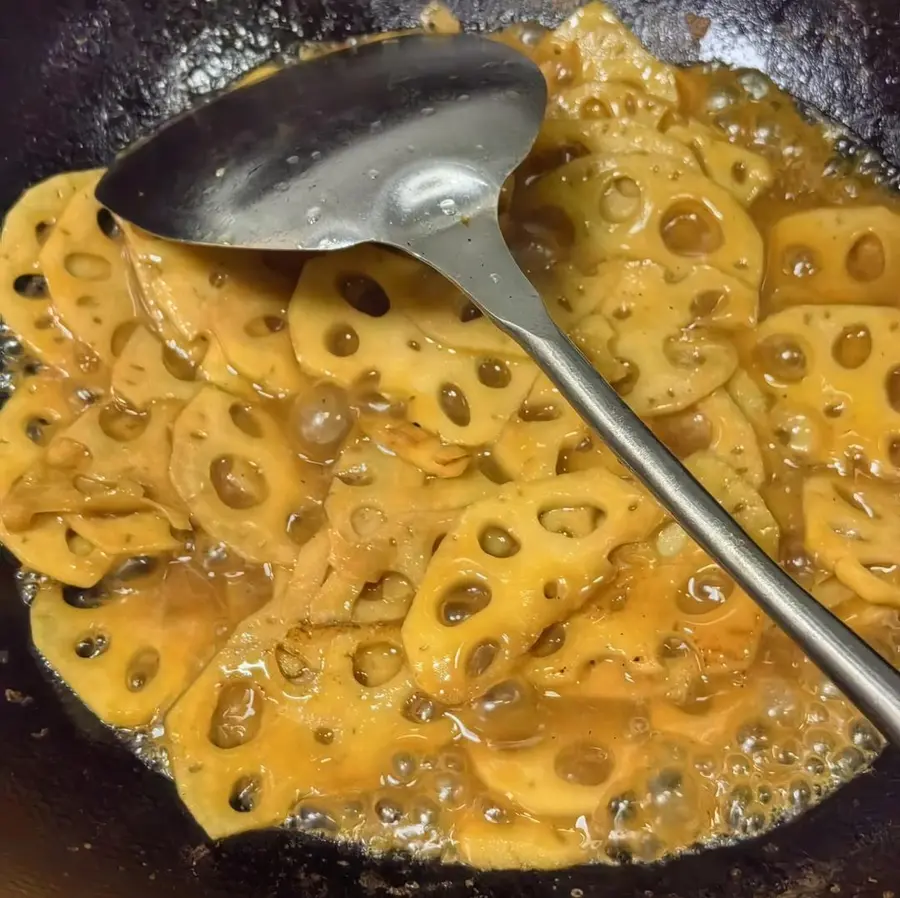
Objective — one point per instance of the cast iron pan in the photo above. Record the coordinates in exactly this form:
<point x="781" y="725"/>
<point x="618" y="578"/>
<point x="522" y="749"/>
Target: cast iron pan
<point x="78" y="816"/>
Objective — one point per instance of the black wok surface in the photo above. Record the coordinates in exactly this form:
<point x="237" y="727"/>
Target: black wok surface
<point x="79" y="816"/>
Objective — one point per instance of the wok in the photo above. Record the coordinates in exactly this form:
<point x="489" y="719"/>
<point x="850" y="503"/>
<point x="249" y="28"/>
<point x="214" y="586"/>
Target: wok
<point x="78" y="815"/>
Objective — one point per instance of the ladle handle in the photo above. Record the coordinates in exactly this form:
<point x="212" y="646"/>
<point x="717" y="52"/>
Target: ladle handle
<point x="476" y="258"/>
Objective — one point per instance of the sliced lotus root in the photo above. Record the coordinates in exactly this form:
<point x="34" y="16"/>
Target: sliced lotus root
<point x="716" y="424"/>
<point x="432" y="303"/>
<point x="667" y="335"/>
<point x="665" y="602"/>
<point x="852" y="528"/>
<point x="464" y="398"/>
<point x="138" y="533"/>
<point x="417" y="446"/>
<point x="51" y="547"/>
<point x="744" y="174"/>
<point x="238" y="477"/>
<point x="84" y="267"/>
<point x="131" y="645"/>
<point x="606" y="50"/>
<point x="38" y="408"/>
<point x="251" y="327"/>
<point x="147" y="370"/>
<point x="839" y="255"/>
<point x="517" y="843"/>
<point x="384" y="516"/>
<point x="176" y="281"/>
<point x="585" y="755"/>
<point x="24" y="297"/>
<point x="646" y="207"/>
<point x="544" y="438"/>
<point x="561" y="140"/>
<point x="609" y="100"/>
<point x="108" y="460"/>
<point x="215" y="369"/>
<point x="512" y="566"/>
<point x="283" y="713"/>
<point x="835" y="371"/>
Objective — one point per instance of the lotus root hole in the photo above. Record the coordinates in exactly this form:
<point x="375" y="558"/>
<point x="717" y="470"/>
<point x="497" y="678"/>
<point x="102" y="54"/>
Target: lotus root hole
<point x="364" y="294"/>
<point x="494" y="373"/>
<point x="892" y="387"/>
<point x="377" y="663"/>
<point x="463" y="601"/>
<point x="551" y="640"/>
<point x="238" y="482"/>
<point x="454" y="404"/>
<point x="691" y="229"/>
<point x="244" y="419"/>
<point x="853" y="346"/>
<point x="620" y="201"/>
<point x="245" y="794"/>
<point x="799" y="262"/>
<point x="866" y="259"/>
<point x="481" y="658"/>
<point x="237" y="717"/>
<point x="92" y="645"/>
<point x="583" y="764"/>
<point x="684" y="432"/>
<point x="142" y="668"/>
<point x="120" y="336"/>
<point x="781" y="359"/>
<point x="572" y="521"/>
<point x="265" y="325"/>
<point x="108" y="224"/>
<point x="366" y="520"/>
<point x="498" y="542"/>
<point x="87" y="266"/>
<point x="342" y="340"/>
<point x="31" y="286"/>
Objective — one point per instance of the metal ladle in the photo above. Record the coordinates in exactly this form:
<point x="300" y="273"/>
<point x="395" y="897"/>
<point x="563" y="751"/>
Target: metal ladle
<point x="406" y="142"/>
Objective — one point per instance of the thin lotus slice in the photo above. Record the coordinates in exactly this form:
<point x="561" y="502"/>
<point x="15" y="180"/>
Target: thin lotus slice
<point x="835" y="374"/>
<point x="137" y="533"/>
<point x="52" y="548"/>
<point x="215" y="369"/>
<point x="417" y="446"/>
<point x="840" y="255"/>
<point x="23" y="287"/>
<point x="348" y="335"/>
<point x="743" y="173"/>
<point x="38" y="408"/>
<point x="133" y="643"/>
<point x="851" y="529"/>
<point x="607" y="51"/>
<point x="717" y="424"/>
<point x="666" y="334"/>
<point x="239" y="478"/>
<point x="646" y="207"/>
<point x="543" y="436"/>
<point x="563" y="139"/>
<point x="283" y="713"/>
<point x="384" y="520"/>
<point x="85" y="270"/>
<point x="512" y="566"/>
<point x="669" y="601"/>
<point x="147" y="370"/>
<point x="108" y="460"/>
<point x="610" y="100"/>
<point x="174" y="279"/>
<point x="249" y="321"/>
<point x="583" y="756"/>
